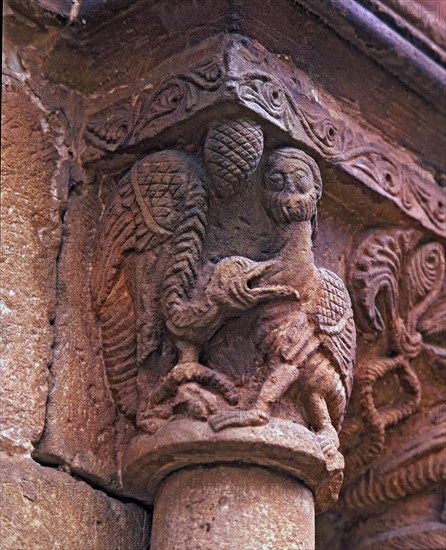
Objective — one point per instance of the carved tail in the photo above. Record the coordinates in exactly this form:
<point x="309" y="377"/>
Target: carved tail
<point x="186" y="251"/>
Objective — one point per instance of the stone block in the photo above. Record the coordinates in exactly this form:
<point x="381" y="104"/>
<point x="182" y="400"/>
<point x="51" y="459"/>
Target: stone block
<point x="33" y="176"/>
<point x="54" y="510"/>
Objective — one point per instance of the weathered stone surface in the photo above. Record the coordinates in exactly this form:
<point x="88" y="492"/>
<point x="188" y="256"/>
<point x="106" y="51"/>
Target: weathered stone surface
<point x="80" y="423"/>
<point x="42" y="507"/>
<point x="179" y="25"/>
<point x="233" y="507"/>
<point x="34" y="178"/>
<point x="353" y="91"/>
<point x="45" y="508"/>
<point x="211" y="308"/>
<point x="239" y="71"/>
<point x="280" y="445"/>
<point x="416" y="522"/>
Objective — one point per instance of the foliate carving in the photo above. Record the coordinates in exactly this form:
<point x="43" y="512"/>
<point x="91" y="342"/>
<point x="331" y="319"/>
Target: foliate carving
<point x="190" y="305"/>
<point x="180" y="92"/>
<point x="418" y="464"/>
<point x="133" y="118"/>
<point x="239" y="71"/>
<point x="397" y="279"/>
<point x="222" y="341"/>
<point x="109" y="129"/>
<point x="267" y="94"/>
<point x="408" y="275"/>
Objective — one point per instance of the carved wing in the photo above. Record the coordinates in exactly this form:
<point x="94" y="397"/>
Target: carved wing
<point x="141" y="215"/>
<point x="336" y="325"/>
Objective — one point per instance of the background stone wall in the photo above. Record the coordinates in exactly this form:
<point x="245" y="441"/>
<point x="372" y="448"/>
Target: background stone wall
<point x="42" y="505"/>
<point x="65" y="78"/>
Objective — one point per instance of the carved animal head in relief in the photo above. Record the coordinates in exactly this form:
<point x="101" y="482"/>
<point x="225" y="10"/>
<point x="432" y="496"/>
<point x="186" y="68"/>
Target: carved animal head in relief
<point x="291" y="186"/>
<point x="232" y="151"/>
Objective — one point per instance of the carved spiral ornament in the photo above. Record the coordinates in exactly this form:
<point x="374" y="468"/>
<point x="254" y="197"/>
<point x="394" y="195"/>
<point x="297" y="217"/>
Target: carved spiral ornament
<point x="397" y="279"/>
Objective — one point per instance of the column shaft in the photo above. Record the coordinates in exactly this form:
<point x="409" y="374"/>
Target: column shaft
<point x="232" y="507"/>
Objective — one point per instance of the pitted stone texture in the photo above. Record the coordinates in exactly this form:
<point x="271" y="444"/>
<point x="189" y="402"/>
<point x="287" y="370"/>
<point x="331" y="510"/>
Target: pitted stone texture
<point x="33" y="174"/>
<point x="233" y="508"/>
<point x="53" y="510"/>
<point x="80" y="422"/>
<point x="185" y="443"/>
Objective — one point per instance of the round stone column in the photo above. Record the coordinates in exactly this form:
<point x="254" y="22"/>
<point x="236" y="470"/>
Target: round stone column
<point x="244" y="488"/>
<point x="232" y="506"/>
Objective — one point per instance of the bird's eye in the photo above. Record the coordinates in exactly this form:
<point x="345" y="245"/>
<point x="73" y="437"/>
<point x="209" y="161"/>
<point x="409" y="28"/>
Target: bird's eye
<point x="275" y="181"/>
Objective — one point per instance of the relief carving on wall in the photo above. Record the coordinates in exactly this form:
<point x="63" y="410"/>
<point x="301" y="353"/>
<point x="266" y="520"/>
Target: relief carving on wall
<point x="210" y="306"/>
<point x="397" y="281"/>
<point x="242" y="72"/>
<point x="221" y="339"/>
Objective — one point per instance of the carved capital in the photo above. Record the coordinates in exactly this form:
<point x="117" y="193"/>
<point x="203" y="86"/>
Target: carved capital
<point x="394" y="436"/>
<point x="222" y="340"/>
<point x="240" y="74"/>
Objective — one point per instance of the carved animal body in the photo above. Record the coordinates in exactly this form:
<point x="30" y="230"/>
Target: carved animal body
<point x="163" y="195"/>
<point x="158" y="298"/>
<point x="148" y="257"/>
<point x="311" y="342"/>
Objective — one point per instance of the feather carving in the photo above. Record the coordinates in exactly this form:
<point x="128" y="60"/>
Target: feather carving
<point x="162" y="195"/>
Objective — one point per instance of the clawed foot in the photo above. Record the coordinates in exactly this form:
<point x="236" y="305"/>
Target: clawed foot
<point x="238" y="419"/>
<point x="194" y="372"/>
<point x="329" y="441"/>
<point x="194" y="401"/>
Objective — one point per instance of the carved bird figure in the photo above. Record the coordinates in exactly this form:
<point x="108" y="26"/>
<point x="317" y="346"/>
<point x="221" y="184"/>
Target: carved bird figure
<point x="310" y="343"/>
<point x="148" y="257"/>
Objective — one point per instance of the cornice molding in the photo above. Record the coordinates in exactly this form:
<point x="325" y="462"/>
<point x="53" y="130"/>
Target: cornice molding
<point x="404" y="44"/>
<point x="234" y="69"/>
<point x="397" y="48"/>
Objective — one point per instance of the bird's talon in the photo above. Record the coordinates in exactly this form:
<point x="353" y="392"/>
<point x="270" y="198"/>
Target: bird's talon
<point x="328" y="442"/>
<point x="238" y="419"/>
<point x="195" y="401"/>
